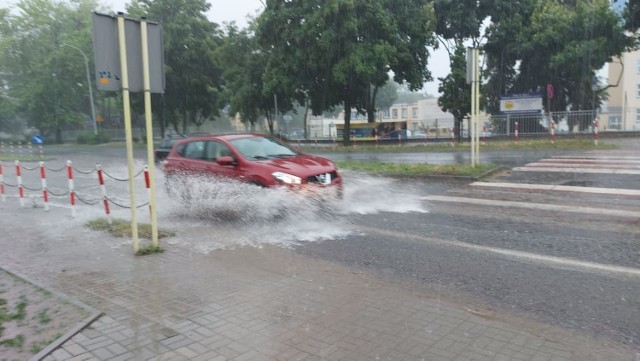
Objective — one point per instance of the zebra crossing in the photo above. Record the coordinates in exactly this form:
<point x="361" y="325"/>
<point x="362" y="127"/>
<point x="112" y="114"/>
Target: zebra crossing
<point x="546" y="185"/>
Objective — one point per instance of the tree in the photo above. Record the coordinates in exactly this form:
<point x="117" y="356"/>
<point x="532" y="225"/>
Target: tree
<point x="244" y="62"/>
<point x="41" y="77"/>
<point x="534" y="43"/>
<point x="193" y="80"/>
<point x="456" y="93"/>
<point x="336" y="51"/>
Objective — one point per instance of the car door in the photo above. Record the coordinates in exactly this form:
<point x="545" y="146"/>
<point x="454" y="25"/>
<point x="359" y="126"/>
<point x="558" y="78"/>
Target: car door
<point x="214" y="150"/>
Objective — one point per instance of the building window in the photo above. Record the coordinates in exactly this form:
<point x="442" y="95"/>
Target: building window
<point x="414" y="112"/>
<point x="638" y="66"/>
<point x="404" y="113"/>
<point x="615" y="122"/>
<point x="385" y="114"/>
<point x="637" y="116"/>
<point x="394" y="113"/>
<point x="638" y="91"/>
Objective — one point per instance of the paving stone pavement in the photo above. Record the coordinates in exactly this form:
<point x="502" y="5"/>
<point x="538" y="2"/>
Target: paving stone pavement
<point x="264" y="304"/>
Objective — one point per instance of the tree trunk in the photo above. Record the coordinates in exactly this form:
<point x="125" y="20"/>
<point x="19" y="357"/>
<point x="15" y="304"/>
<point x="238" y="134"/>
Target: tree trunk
<point x="371" y="105"/>
<point x="347" y="124"/>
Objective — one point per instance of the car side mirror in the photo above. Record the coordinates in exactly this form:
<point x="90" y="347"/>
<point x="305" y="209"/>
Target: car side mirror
<point x="226" y="160"/>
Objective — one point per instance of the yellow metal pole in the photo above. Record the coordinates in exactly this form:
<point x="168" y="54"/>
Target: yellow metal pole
<point x="127" y="128"/>
<point x="477" y="86"/>
<point x="472" y="120"/>
<point x="149" y="125"/>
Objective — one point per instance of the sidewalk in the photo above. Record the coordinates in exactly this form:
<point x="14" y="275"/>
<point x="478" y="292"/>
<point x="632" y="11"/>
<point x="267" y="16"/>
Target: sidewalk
<point x="261" y="304"/>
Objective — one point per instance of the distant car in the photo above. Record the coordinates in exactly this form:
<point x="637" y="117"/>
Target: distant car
<point x="165" y="145"/>
<point x="418" y="135"/>
<point x="254" y="158"/>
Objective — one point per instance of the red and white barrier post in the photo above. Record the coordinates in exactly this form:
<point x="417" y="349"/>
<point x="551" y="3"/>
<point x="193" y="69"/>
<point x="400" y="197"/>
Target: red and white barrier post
<point x="19" y="181"/>
<point x="103" y="190"/>
<point x="147" y="183"/>
<point x="595" y="131"/>
<point x="552" y="130"/>
<point x="45" y="194"/>
<point x="72" y="193"/>
<point x="453" y="137"/>
<point x="4" y="198"/>
<point x="516" y="133"/>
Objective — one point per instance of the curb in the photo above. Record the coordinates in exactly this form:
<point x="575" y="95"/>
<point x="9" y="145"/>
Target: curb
<point x="94" y="314"/>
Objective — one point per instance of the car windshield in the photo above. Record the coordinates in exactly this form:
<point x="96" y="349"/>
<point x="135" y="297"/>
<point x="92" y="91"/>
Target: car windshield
<point x="262" y="148"/>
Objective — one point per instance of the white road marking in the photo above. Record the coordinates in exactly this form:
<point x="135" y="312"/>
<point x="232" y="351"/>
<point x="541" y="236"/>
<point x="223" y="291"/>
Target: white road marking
<point x="535" y="206"/>
<point x="576" y="170"/>
<point x="550" y="187"/>
<point x="561" y="262"/>
<point x="590" y="161"/>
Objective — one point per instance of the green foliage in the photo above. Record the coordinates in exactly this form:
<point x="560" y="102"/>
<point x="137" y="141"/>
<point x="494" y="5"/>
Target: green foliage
<point x="46" y="81"/>
<point x="150" y="249"/>
<point x="456" y="93"/>
<point x="16" y="342"/>
<point x="91" y="138"/>
<point x="335" y="52"/>
<point x="193" y="80"/>
<point x="403" y="169"/>
<point x="534" y="43"/>
<point x="122" y="228"/>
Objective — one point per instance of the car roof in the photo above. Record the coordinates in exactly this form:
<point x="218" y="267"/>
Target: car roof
<point x="227" y="137"/>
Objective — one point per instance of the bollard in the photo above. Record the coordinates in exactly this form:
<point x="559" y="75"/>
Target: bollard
<point x="595" y="131"/>
<point x="45" y="194"/>
<point x="19" y="181"/>
<point x="103" y="190"/>
<point x="20" y="149"/>
<point x="72" y="194"/>
<point x="41" y="151"/>
<point x="147" y="183"/>
<point x="453" y="137"/>
<point x="30" y="150"/>
<point x="516" y="133"/>
<point x="552" y="130"/>
<point x="4" y="198"/>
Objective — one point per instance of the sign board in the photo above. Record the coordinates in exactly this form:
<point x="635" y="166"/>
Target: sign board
<point x="521" y="103"/>
<point x="107" y="54"/>
<point x="37" y="140"/>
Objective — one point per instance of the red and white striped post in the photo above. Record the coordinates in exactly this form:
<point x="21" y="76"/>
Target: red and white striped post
<point x="45" y="194"/>
<point x="19" y="181"/>
<point x="453" y="137"/>
<point x="41" y="151"/>
<point x="30" y="150"/>
<point x="103" y="190"/>
<point x="4" y="198"/>
<point x="20" y="149"/>
<point x="516" y="133"/>
<point x="595" y="131"/>
<point x="552" y="130"/>
<point x="72" y="193"/>
<point x="147" y="183"/>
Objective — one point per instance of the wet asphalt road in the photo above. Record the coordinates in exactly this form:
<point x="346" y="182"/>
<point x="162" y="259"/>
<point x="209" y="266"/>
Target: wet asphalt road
<point x="452" y="248"/>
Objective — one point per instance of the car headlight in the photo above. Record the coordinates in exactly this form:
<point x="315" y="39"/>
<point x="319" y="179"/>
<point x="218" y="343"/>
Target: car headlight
<point x="286" y="178"/>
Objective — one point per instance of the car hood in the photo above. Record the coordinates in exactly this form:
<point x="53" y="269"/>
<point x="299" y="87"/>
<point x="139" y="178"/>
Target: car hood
<point x="301" y="165"/>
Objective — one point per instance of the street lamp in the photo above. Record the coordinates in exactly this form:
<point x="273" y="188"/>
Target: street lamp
<point x="93" y="109"/>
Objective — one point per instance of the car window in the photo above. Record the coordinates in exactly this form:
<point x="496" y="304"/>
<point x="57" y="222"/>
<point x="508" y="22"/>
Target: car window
<point x="216" y="150"/>
<point x="194" y="150"/>
<point x="262" y="148"/>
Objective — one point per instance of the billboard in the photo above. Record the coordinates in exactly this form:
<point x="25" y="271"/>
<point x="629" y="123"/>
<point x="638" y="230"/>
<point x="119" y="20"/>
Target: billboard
<point x="521" y="103"/>
<point x="106" y="53"/>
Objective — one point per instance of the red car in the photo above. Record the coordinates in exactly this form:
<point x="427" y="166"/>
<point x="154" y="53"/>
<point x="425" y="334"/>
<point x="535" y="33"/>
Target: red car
<point x="258" y="159"/>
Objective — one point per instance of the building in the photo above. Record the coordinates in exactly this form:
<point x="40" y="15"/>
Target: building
<point x="623" y="108"/>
